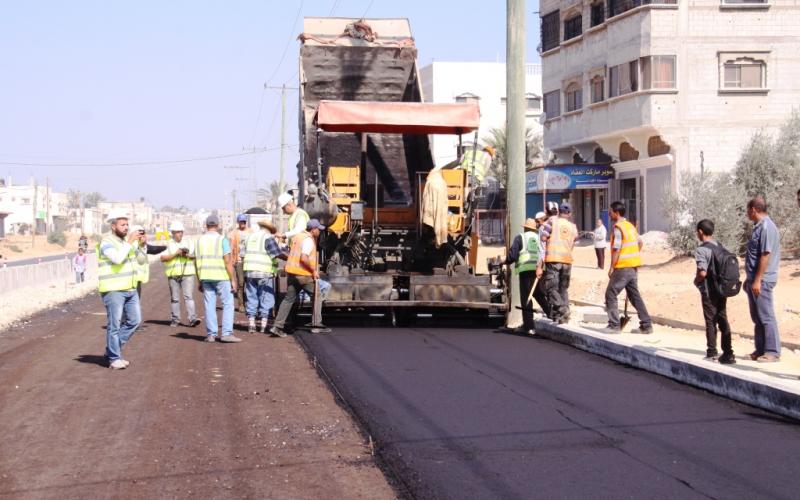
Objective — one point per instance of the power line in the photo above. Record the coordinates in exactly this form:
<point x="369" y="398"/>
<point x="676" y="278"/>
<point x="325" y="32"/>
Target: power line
<point x="143" y="163"/>
<point x="333" y="7"/>
<point x="364" y="15"/>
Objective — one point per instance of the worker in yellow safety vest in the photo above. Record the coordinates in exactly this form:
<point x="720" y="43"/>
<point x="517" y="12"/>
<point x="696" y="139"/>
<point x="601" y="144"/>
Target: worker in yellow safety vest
<point x="261" y="255"/>
<point x="301" y="272"/>
<point x="478" y="162"/>
<point x="626" y="248"/>
<point x="179" y="267"/>
<point x="558" y="235"/>
<point x="217" y="279"/>
<point x="298" y="218"/>
<point x="117" y="259"/>
<point x="524" y="254"/>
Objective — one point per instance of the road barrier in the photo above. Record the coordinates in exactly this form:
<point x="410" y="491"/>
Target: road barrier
<point x="58" y="271"/>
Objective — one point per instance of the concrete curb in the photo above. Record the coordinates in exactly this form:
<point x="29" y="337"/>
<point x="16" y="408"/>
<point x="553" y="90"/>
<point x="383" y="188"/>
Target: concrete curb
<point x="722" y="380"/>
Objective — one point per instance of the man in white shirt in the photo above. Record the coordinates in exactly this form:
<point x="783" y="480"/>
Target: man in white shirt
<point x="600" y="243"/>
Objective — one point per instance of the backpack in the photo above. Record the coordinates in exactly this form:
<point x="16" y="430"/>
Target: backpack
<point x="725" y="280"/>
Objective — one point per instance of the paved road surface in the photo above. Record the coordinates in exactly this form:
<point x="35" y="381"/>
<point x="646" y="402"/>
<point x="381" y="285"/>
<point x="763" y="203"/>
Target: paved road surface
<point x="188" y="419"/>
<point x="474" y="414"/>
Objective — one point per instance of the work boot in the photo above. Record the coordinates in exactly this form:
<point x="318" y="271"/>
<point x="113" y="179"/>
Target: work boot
<point x="277" y="332"/>
<point x="251" y="325"/>
<point x="229" y="339"/>
<point x="264" y="325"/>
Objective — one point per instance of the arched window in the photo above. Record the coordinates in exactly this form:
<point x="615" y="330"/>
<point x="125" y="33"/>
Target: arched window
<point x="574" y="97"/>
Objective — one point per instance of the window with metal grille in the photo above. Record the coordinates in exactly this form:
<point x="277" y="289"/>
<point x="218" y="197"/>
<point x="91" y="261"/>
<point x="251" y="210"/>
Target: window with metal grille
<point x="552" y="104"/>
<point x="550" y="25"/>
<point x="573" y="27"/>
<point x="598" y="14"/>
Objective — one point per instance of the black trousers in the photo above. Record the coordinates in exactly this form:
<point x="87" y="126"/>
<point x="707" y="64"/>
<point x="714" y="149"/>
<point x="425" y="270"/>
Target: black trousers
<point x="601" y="257"/>
<point x="625" y="279"/>
<point x="715" y="313"/>
<point x="526" y="282"/>
<point x="556" y="288"/>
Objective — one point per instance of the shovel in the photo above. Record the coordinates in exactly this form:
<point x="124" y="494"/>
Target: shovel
<point x="625" y="319"/>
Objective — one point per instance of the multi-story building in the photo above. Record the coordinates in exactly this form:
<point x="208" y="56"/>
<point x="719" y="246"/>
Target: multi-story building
<point x="17" y="202"/>
<point x="140" y="212"/>
<point x="657" y="88"/>
<point x="484" y="82"/>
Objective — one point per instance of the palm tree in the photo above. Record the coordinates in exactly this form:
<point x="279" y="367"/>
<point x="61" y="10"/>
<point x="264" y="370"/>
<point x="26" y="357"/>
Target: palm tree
<point x="497" y="140"/>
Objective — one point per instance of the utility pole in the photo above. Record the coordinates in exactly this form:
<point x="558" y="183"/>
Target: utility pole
<point x="233" y="194"/>
<point x="283" y="136"/>
<point x="33" y="204"/>
<point x="47" y="206"/>
<point x="515" y="135"/>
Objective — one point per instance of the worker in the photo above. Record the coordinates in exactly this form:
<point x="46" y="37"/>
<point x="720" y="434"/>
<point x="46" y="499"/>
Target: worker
<point x="626" y="248"/>
<point x="143" y="270"/>
<point x="524" y="254"/>
<point x="301" y="272"/>
<point x="478" y="162"/>
<point x="298" y="218"/>
<point x="261" y="255"/>
<point x="559" y="235"/>
<point x="237" y="238"/>
<point x="538" y="291"/>
<point x="217" y="277"/>
<point x="180" y="270"/>
<point x="117" y="258"/>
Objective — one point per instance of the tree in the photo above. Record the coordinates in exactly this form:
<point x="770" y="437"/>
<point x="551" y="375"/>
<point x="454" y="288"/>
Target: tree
<point x="497" y="140"/>
<point x="770" y="167"/>
<point x="92" y="199"/>
<point x="73" y="198"/>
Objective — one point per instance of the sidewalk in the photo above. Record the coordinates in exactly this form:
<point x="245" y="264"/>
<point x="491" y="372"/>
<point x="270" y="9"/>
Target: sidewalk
<point x="678" y="354"/>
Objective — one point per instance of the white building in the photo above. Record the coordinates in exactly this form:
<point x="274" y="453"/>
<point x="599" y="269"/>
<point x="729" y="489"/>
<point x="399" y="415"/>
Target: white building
<point x="140" y="212"/>
<point x="662" y="87"/>
<point x="17" y="201"/>
<point x="484" y="82"/>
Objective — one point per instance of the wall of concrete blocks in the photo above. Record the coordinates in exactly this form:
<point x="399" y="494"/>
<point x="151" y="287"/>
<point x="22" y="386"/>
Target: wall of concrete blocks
<point x="14" y="279"/>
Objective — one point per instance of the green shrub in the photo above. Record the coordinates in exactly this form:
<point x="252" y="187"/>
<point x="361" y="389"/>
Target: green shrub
<point x="15" y="248"/>
<point x="57" y="238"/>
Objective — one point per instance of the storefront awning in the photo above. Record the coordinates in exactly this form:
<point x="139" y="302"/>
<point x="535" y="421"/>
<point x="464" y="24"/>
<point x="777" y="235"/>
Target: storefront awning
<point x="568" y="177"/>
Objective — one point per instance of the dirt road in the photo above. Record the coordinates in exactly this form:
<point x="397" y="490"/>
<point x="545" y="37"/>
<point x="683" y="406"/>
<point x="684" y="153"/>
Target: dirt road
<point x="249" y="420"/>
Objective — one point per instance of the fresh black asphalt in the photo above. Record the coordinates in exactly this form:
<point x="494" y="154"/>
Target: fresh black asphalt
<point x="469" y="413"/>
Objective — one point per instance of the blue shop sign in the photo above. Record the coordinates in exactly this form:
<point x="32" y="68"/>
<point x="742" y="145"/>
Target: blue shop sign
<point x="567" y="177"/>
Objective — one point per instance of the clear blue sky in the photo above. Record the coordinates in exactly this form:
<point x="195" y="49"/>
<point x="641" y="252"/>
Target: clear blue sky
<point x="120" y="81"/>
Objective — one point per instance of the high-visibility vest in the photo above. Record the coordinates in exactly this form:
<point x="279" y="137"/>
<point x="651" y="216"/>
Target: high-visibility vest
<point x="629" y="255"/>
<point x="479" y="167"/>
<point x="561" y="241"/>
<point x="529" y="256"/>
<point x="179" y="266"/>
<point x="293" y="265"/>
<point x="115" y="277"/>
<point x="209" y="259"/>
<point x="299" y="216"/>
<point x="256" y="257"/>
<point x="141" y="271"/>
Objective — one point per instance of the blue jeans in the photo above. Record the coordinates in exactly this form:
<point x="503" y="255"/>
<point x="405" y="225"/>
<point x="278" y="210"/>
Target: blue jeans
<point x="762" y="312"/>
<point x="118" y="332"/>
<point x="324" y="288"/>
<point x="210" y="291"/>
<point x="260" y="296"/>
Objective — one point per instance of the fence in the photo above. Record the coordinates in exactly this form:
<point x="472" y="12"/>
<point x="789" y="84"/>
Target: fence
<point x="45" y="273"/>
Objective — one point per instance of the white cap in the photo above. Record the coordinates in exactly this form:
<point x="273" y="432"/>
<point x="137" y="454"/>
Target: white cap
<point x="115" y="214"/>
<point x="176" y="226"/>
<point x="284" y="198"/>
<point x="136" y="228"/>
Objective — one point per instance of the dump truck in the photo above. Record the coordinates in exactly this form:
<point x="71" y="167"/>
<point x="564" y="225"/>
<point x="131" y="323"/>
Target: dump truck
<point x="365" y="165"/>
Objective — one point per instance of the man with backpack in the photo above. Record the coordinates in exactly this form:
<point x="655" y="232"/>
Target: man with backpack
<point x="717" y="278"/>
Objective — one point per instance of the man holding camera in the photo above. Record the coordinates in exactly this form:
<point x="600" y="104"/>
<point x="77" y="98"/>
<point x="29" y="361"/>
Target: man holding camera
<point x="180" y="270"/>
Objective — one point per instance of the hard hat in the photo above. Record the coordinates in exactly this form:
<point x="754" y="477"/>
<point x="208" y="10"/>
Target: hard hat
<point x="539" y="216"/>
<point x="136" y="228"/>
<point x="284" y="198"/>
<point x="115" y="214"/>
<point x="489" y="149"/>
<point x="241" y="218"/>
<point x="176" y="226"/>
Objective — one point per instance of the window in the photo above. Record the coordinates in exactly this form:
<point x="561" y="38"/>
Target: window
<point x="658" y="72"/>
<point x="623" y="79"/>
<point x="533" y="103"/>
<point x="552" y="104"/>
<point x="503" y="101"/>
<point x="598" y="14"/>
<point x="26" y="201"/>
<point x="574" y="97"/>
<point x="597" y="85"/>
<point x="573" y="27"/>
<point x="744" y="73"/>
<point x="550" y="25"/>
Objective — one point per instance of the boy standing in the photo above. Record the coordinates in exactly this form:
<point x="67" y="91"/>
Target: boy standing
<point x="714" y="304"/>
